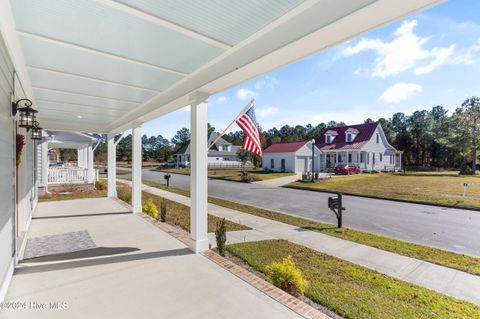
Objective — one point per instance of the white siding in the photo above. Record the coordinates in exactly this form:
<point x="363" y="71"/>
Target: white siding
<point x="7" y="169"/>
<point x="375" y="149"/>
<point x="277" y="158"/>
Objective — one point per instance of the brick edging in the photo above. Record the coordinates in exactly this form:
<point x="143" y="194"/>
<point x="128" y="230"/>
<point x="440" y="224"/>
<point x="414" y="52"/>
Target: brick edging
<point x="295" y="304"/>
<point x="289" y="301"/>
<point x="380" y="197"/>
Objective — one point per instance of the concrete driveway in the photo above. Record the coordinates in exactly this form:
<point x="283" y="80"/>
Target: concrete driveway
<point x="447" y="228"/>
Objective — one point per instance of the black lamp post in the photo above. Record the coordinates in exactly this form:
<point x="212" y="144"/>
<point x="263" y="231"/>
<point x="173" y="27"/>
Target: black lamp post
<point x="313" y="160"/>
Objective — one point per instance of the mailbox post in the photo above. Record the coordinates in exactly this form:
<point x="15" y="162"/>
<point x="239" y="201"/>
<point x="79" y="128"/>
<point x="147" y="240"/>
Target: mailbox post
<point x="336" y="205"/>
<point x="167" y="178"/>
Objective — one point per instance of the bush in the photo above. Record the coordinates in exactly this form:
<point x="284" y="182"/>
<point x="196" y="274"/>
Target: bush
<point x="466" y="170"/>
<point x="101" y="184"/>
<point x="150" y="208"/>
<point x="248" y="178"/>
<point x="163" y="210"/>
<point x="366" y="171"/>
<point x="285" y="275"/>
<point x="374" y="171"/>
<point x="221" y="236"/>
<point x="125" y="194"/>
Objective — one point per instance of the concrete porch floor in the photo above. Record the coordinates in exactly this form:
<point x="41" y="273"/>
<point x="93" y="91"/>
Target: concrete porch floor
<point x="134" y="271"/>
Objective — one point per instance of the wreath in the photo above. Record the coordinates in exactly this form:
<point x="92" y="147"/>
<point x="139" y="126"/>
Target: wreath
<point x="20" y="145"/>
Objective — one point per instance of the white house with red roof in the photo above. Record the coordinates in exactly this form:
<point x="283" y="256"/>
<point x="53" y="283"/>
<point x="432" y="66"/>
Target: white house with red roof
<point x="364" y="145"/>
<point x="291" y="157"/>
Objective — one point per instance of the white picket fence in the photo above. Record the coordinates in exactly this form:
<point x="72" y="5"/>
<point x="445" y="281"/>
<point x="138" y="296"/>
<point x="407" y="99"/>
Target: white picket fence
<point x="69" y="175"/>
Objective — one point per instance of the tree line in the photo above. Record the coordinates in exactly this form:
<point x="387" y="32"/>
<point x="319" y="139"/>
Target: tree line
<point x="429" y="138"/>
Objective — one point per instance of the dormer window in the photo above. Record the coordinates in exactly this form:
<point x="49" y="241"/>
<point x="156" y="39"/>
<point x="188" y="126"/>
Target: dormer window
<point x="330" y="136"/>
<point x="350" y="134"/>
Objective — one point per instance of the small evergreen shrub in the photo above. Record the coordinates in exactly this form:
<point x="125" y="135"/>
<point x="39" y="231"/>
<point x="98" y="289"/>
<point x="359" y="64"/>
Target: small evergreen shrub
<point x="374" y="171"/>
<point x="286" y="276"/>
<point x="248" y="178"/>
<point x="163" y="211"/>
<point x="150" y="208"/>
<point x="125" y="194"/>
<point x="221" y="236"/>
<point x="466" y="170"/>
<point x="101" y="184"/>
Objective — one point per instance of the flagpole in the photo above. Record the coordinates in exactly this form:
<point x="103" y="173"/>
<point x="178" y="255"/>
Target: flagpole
<point x="231" y="123"/>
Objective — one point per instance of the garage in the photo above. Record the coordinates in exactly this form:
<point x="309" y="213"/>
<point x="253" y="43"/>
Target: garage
<point x="293" y="157"/>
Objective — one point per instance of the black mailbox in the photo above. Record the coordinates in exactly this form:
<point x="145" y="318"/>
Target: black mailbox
<point x="167" y="178"/>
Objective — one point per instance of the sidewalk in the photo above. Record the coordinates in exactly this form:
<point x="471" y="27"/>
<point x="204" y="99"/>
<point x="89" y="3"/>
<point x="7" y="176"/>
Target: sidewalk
<point x="445" y="280"/>
<point x="277" y="182"/>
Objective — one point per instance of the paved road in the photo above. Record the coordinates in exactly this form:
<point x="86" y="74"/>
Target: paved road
<point x="453" y="229"/>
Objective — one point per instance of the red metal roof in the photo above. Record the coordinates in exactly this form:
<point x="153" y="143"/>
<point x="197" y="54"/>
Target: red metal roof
<point x="285" y="147"/>
<point x="365" y="132"/>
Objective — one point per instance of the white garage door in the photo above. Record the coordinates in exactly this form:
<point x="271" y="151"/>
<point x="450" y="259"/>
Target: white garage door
<point x="301" y="163"/>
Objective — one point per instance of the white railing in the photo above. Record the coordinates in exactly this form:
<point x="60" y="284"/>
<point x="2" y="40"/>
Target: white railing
<point x="69" y="175"/>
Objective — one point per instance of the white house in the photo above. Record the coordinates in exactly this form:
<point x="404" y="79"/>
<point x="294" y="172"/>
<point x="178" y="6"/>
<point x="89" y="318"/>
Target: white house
<point x="290" y="157"/>
<point x="363" y="144"/>
<point x="221" y="154"/>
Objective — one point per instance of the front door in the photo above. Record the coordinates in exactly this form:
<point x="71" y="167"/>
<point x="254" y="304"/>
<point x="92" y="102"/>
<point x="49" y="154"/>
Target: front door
<point x="282" y="165"/>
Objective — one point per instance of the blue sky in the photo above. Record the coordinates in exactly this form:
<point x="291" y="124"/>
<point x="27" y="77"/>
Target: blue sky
<point x="431" y="58"/>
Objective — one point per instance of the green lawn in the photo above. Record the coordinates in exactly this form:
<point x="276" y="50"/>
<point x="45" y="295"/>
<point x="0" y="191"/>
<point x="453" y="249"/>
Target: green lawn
<point x="354" y="291"/>
<point x="231" y="174"/>
<point x="437" y="256"/>
<point x="441" y="188"/>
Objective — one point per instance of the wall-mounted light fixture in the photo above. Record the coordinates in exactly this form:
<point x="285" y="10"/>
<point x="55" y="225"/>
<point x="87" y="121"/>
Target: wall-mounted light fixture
<point x="27" y="115"/>
<point x="36" y="131"/>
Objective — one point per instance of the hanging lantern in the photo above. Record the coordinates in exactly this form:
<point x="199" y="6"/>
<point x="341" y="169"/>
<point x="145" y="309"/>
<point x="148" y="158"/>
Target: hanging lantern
<point x="27" y="115"/>
<point x="36" y="131"/>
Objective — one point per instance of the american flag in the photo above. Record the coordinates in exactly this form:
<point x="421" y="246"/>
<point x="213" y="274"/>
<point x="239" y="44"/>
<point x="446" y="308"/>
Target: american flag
<point x="249" y="125"/>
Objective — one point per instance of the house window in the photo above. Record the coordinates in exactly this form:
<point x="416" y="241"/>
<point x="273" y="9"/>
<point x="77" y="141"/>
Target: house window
<point x="272" y="163"/>
<point x="329" y="139"/>
<point x="361" y="157"/>
<point x="225" y="148"/>
<point x="349" y="158"/>
<point x="381" y="157"/>
<point x="282" y="164"/>
<point x="373" y="158"/>
<point x="378" y="138"/>
<point x="226" y="159"/>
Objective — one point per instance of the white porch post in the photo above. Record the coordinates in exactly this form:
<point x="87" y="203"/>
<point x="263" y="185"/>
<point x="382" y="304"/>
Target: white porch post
<point x="112" y="165"/>
<point x="45" y="164"/>
<point x="79" y="157"/>
<point x="89" y="153"/>
<point x="137" y="169"/>
<point x="198" y="174"/>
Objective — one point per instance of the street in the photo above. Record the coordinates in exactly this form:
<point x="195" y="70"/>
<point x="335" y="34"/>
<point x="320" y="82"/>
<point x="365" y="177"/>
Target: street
<point x="447" y="228"/>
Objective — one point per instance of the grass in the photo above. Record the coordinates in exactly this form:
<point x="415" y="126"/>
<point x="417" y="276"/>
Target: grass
<point x="231" y="174"/>
<point x="178" y="214"/>
<point x="354" y="291"/>
<point x="434" y="255"/>
<point x="440" y="188"/>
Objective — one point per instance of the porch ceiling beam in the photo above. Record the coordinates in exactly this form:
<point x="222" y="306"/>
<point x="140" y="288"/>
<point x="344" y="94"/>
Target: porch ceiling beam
<point x="84" y="94"/>
<point x="164" y="23"/>
<point x="98" y="52"/>
<point x="91" y="78"/>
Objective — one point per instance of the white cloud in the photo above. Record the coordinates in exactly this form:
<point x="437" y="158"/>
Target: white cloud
<point x="403" y="53"/>
<point x="267" y="81"/>
<point x="221" y="99"/>
<point x="244" y="94"/>
<point x="266" y="111"/>
<point x="400" y="92"/>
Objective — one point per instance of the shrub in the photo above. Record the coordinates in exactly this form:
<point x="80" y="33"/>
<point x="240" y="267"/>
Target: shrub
<point x="221" y="236"/>
<point x="101" y="184"/>
<point x="163" y="210"/>
<point x="150" y="208"/>
<point x="286" y="275"/>
<point x="466" y="170"/>
<point x="248" y="178"/>
<point x="374" y="171"/>
<point x="125" y="194"/>
<point x="366" y="171"/>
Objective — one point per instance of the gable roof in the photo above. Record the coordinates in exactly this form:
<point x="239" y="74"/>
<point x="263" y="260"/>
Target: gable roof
<point x="285" y="147"/>
<point x="214" y="150"/>
<point x="365" y="132"/>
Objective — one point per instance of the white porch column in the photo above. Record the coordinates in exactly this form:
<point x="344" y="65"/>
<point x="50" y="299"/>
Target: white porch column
<point x="198" y="174"/>
<point x="79" y="157"/>
<point x="137" y="169"/>
<point x="89" y="152"/>
<point x="45" y="164"/>
<point x="111" y="166"/>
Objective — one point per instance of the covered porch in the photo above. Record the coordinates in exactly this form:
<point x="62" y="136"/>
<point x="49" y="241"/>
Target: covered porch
<point x="105" y="262"/>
